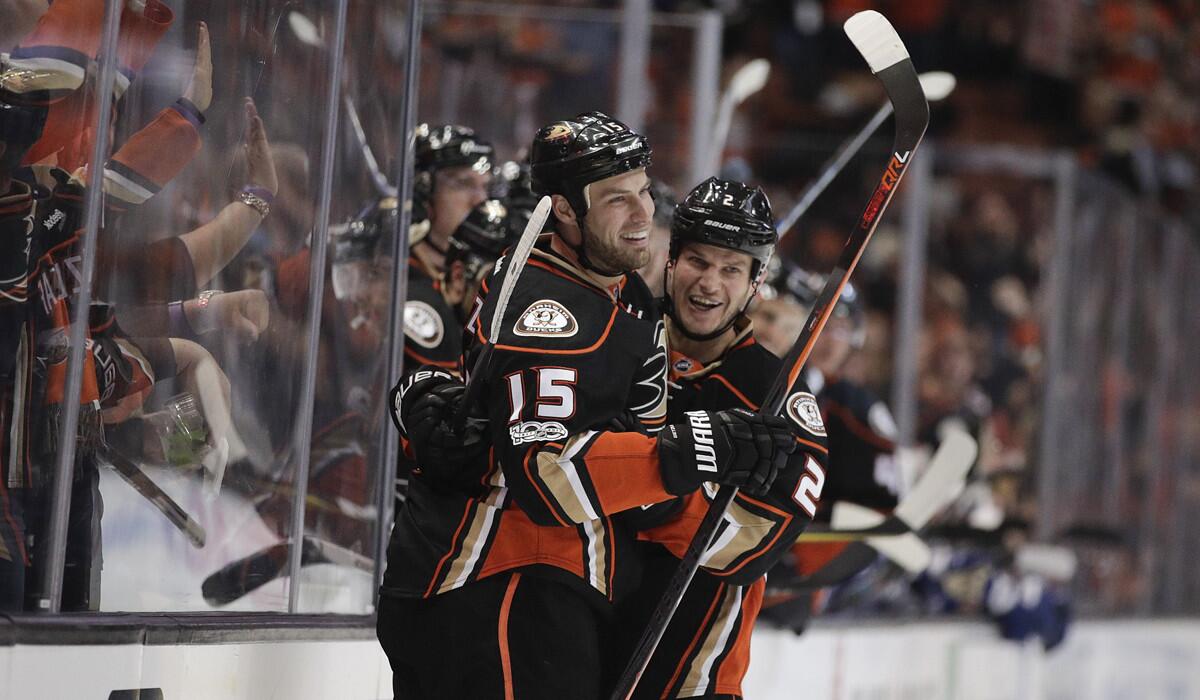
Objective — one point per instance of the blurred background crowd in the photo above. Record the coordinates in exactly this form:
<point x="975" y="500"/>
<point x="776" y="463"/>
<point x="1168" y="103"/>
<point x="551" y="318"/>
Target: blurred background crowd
<point x="1058" y="216"/>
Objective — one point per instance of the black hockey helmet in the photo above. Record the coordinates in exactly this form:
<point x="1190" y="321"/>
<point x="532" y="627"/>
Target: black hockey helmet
<point x="569" y="155"/>
<point x="361" y="244"/>
<point x="515" y="190"/>
<point x="450" y="146"/>
<point x="728" y="214"/>
<point x="805" y="286"/>
<point x="665" y="202"/>
<point x="445" y="146"/>
<point x="481" y="238"/>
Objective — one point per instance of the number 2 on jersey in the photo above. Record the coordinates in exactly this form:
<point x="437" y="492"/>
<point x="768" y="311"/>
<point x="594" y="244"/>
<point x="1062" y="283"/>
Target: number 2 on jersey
<point x="808" y="492"/>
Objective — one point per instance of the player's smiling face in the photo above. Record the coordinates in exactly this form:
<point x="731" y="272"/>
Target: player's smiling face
<point x="617" y="225"/>
<point x="709" y="285"/>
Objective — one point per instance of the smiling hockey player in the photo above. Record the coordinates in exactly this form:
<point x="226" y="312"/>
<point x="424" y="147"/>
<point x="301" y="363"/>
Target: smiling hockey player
<point x="722" y="236"/>
<point x="512" y="569"/>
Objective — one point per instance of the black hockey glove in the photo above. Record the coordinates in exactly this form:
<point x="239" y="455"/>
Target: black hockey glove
<point x="423" y="409"/>
<point x="736" y="447"/>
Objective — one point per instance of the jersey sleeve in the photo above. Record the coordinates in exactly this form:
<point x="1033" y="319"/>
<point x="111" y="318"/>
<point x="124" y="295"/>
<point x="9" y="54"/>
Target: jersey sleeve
<point x="756" y="531"/>
<point x="557" y="452"/>
<point x="152" y="156"/>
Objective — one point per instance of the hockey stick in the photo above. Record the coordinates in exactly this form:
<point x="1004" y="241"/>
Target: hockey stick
<point x="144" y="485"/>
<point x="251" y="572"/>
<point x="748" y="80"/>
<point x="942" y="481"/>
<point x="306" y="31"/>
<point x="879" y="44"/>
<point x="382" y="188"/>
<point x="937" y="86"/>
<point x="516" y="264"/>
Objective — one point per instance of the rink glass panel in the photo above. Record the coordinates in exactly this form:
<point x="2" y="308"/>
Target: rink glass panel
<point x="37" y="303"/>
<point x="244" y="386"/>
<point x="247" y="387"/>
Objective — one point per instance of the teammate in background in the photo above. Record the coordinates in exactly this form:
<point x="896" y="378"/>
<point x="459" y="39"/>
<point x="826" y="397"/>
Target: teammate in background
<point x="722" y="236"/>
<point x="660" y="237"/>
<point x="453" y="176"/>
<point x="510" y="568"/>
<point x="513" y="187"/>
<point x="477" y="243"/>
<point x="861" y="431"/>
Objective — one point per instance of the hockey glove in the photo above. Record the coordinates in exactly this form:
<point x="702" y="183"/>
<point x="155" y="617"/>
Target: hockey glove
<point x="737" y="447"/>
<point x="424" y="409"/>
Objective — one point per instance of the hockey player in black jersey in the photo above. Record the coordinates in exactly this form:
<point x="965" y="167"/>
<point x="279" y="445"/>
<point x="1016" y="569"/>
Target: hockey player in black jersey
<point x="722" y="236"/>
<point x="862" y="432"/>
<point x="861" y="435"/>
<point x="511" y="568"/>
<point x="453" y="175"/>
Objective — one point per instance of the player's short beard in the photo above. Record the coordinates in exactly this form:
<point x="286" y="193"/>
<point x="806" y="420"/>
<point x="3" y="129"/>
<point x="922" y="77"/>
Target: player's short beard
<point x="606" y="256"/>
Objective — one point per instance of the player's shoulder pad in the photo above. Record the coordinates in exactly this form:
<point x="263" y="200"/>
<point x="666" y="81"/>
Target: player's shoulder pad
<point x="548" y="313"/>
<point x="864" y="405"/>
<point x="752" y="369"/>
<point x="427" y="317"/>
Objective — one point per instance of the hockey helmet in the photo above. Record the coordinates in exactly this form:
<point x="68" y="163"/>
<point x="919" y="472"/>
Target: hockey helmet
<point x="360" y="246"/>
<point x="569" y="155"/>
<point x="481" y="238"/>
<point x="450" y="146"/>
<point x="805" y="286"/>
<point x="728" y="214"/>
<point x="665" y="202"/>
<point x="515" y="190"/>
<point x="444" y="146"/>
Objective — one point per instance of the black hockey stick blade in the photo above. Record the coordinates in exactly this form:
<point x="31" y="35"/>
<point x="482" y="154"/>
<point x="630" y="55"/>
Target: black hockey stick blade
<point x="144" y="485"/>
<point x="249" y="573"/>
<point x="879" y="44"/>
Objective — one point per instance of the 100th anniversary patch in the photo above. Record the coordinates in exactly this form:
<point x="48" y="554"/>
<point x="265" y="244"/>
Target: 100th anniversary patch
<point x="546" y="319"/>
<point x="802" y="408"/>
<point x="423" y="324"/>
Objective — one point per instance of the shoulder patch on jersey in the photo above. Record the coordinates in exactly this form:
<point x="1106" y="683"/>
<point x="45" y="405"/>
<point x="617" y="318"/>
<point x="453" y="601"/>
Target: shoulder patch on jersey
<point x="423" y="324"/>
<point x="802" y="408"/>
<point x="546" y="318"/>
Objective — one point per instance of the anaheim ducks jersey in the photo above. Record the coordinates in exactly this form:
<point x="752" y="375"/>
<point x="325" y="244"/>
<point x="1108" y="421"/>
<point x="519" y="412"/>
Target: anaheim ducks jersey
<point x="432" y="331"/>
<point x="40" y="301"/>
<point x="574" y="351"/>
<point x="862" y="436"/>
<point x="706" y="648"/>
